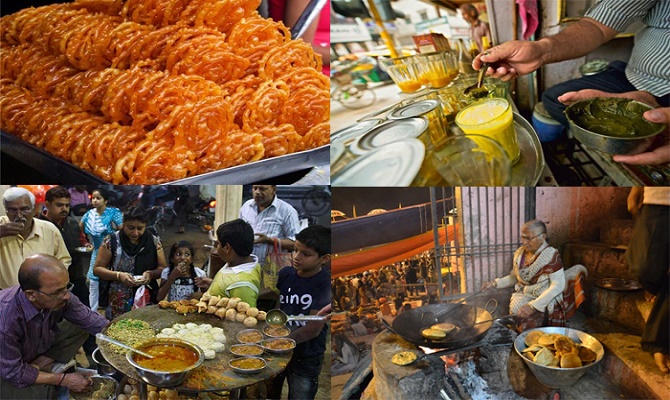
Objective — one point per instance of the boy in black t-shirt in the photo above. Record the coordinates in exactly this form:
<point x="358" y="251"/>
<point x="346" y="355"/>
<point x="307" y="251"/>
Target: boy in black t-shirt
<point x="304" y="290"/>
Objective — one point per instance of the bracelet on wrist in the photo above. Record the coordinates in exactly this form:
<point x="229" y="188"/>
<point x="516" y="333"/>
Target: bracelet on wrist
<point x="61" y="380"/>
<point x="117" y="276"/>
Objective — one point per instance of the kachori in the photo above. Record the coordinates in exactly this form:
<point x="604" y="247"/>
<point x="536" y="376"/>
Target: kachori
<point x="403" y="358"/>
<point x="433" y="334"/>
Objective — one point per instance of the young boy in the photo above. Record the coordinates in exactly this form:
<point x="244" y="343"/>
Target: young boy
<point x="241" y="276"/>
<point x="304" y="290"/>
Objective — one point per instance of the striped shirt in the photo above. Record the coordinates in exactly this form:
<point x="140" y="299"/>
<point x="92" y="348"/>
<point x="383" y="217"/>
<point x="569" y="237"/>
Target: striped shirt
<point x="648" y="68"/>
<point x="278" y="220"/>
<point x="26" y="332"/>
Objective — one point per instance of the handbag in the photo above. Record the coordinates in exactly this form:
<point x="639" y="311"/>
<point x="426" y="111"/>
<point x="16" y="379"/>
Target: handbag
<point x="274" y="262"/>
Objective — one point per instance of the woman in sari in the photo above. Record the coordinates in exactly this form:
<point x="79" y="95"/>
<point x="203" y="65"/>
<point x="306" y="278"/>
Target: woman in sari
<point x="538" y="279"/>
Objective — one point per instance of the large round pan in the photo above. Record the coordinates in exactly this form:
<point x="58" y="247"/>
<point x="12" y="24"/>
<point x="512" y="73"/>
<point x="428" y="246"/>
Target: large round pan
<point x="472" y="322"/>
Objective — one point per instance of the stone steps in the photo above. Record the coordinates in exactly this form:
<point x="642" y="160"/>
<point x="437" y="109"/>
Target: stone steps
<point x="616" y="231"/>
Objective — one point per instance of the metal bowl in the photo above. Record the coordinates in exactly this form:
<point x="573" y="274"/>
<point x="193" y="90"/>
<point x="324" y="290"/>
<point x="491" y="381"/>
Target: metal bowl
<point x="555" y="377"/>
<point x="601" y="110"/>
<point x="266" y="342"/>
<point x="162" y="378"/>
<point x="240" y="336"/>
<point x="235" y="350"/>
<point x="276" y="332"/>
<point x="243" y="371"/>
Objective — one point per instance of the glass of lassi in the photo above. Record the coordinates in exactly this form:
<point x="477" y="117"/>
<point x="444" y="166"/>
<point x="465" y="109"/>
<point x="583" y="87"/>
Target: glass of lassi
<point x="491" y="117"/>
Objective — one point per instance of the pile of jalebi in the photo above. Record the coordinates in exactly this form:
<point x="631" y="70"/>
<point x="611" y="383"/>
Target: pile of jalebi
<point x="151" y="91"/>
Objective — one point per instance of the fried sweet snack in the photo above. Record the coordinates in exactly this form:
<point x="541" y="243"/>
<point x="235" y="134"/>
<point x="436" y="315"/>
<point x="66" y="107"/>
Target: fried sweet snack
<point x="158" y="90"/>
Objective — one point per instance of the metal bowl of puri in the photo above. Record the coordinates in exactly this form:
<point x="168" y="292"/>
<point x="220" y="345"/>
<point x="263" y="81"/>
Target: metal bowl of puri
<point x="558" y="356"/>
<point x="612" y="125"/>
<point x="173" y="361"/>
<point x="247" y="365"/>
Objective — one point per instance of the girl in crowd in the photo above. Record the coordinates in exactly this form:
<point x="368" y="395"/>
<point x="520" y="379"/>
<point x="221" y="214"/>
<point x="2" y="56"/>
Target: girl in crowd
<point x="179" y="277"/>
<point x="97" y="223"/>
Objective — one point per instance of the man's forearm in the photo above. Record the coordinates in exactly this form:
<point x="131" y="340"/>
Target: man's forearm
<point x="575" y="41"/>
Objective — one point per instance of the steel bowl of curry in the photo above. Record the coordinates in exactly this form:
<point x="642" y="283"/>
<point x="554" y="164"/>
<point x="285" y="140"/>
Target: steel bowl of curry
<point x="247" y="365"/>
<point x="246" y="350"/>
<point x="278" y="345"/>
<point x="173" y="361"/>
<point x="249" y="336"/>
<point x="276" y="331"/>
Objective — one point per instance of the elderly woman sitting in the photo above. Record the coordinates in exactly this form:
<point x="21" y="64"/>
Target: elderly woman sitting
<point x="540" y="297"/>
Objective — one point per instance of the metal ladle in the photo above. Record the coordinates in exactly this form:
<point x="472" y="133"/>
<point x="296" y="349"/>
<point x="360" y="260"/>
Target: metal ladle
<point x="125" y="346"/>
<point x="478" y="90"/>
<point x="277" y="317"/>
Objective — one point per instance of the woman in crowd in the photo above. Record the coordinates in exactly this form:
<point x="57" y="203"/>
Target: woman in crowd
<point x="97" y="223"/>
<point x="178" y="279"/>
<point x="127" y="260"/>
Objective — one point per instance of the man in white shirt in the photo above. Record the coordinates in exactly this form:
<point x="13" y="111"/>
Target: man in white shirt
<point x="271" y="218"/>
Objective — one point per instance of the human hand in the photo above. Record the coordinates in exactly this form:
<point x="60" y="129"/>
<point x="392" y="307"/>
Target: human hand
<point x="11" y="228"/>
<point x="127" y="279"/>
<point x="77" y="382"/>
<point x="639" y="95"/>
<point x="657" y="155"/>
<point x="89" y="246"/>
<point x="513" y="58"/>
<point x="262" y="238"/>
<point x="180" y="270"/>
<point x="203" y="283"/>
<point x="326" y="311"/>
<point x="488" y="285"/>
<point x="526" y="311"/>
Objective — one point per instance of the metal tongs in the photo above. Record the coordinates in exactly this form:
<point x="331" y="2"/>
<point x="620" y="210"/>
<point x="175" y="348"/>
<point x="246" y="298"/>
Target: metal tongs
<point x="308" y="15"/>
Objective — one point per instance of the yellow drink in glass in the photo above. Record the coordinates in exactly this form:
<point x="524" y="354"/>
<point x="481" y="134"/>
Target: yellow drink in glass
<point x="491" y="117"/>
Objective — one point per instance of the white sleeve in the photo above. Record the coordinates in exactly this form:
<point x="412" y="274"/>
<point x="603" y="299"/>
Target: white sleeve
<point x="556" y="286"/>
<point x="199" y="273"/>
<point x="165" y="273"/>
<point x="506" y="281"/>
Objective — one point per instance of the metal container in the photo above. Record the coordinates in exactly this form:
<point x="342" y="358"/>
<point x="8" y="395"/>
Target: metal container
<point x="266" y="342"/>
<point x="395" y="164"/>
<point x="103" y="367"/>
<point x="240" y="336"/>
<point x="161" y="378"/>
<point x="429" y="109"/>
<point x="350" y="133"/>
<point x="560" y="377"/>
<point x="389" y="132"/>
<point x="235" y="349"/>
<point x="597" y="108"/>
<point x="243" y="371"/>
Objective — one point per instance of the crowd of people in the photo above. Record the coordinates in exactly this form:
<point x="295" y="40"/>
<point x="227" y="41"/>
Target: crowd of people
<point x="58" y="295"/>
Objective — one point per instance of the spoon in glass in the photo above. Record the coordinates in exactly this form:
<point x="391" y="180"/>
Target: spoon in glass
<point x="478" y="90"/>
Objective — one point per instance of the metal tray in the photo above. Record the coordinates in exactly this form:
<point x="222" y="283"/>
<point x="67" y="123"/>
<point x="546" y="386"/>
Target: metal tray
<point x="618" y="284"/>
<point x="64" y="172"/>
<point x="527" y="171"/>
<point x="213" y="375"/>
